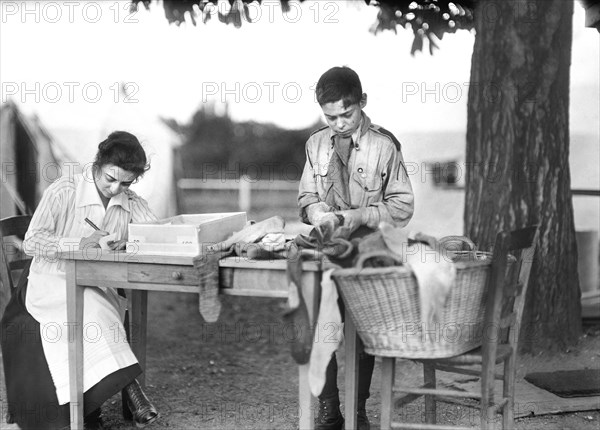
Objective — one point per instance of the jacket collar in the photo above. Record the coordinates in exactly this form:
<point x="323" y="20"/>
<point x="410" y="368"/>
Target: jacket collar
<point x="365" y="123"/>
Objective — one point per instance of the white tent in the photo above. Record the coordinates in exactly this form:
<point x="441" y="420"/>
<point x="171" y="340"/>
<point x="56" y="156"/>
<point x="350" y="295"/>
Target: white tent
<point x="31" y="160"/>
<point x="158" y="184"/>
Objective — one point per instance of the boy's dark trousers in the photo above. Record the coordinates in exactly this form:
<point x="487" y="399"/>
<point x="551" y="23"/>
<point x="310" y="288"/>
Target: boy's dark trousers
<point x="366" y="363"/>
<point x="330" y="391"/>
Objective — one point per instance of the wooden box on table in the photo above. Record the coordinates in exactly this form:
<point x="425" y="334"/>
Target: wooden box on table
<point x="184" y="234"/>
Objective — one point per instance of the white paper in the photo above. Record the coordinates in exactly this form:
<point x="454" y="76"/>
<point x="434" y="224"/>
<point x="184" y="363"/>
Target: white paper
<point x="105" y="239"/>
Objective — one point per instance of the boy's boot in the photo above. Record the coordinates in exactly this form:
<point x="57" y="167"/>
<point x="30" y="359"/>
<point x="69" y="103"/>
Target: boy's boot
<point x="362" y="421"/>
<point x="330" y="416"/>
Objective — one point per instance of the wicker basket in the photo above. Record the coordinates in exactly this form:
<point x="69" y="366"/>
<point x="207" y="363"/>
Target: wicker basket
<point x="384" y="305"/>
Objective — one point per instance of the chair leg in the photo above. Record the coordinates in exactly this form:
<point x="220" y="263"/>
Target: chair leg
<point x="429" y="380"/>
<point x="488" y="415"/>
<point x="127" y="415"/>
<point x="388" y="369"/>
<point x="508" y="392"/>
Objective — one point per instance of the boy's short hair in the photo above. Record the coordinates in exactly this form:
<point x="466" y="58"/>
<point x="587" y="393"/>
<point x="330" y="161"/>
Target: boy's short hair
<point x="339" y="83"/>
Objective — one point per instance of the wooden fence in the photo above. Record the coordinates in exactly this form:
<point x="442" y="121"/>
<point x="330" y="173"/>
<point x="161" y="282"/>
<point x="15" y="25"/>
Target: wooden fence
<point x="244" y="194"/>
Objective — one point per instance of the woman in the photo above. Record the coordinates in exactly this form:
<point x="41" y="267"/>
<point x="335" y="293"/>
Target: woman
<point x="36" y="366"/>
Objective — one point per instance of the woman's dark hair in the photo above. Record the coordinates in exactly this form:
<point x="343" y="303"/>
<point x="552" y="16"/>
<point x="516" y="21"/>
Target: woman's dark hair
<point x="339" y="83"/>
<point x="123" y="150"/>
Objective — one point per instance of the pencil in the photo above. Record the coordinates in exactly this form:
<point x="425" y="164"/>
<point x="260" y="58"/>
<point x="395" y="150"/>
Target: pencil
<point x="94" y="226"/>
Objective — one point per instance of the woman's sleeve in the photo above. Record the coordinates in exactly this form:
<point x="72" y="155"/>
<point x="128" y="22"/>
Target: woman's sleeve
<point x="41" y="238"/>
<point x="140" y="212"/>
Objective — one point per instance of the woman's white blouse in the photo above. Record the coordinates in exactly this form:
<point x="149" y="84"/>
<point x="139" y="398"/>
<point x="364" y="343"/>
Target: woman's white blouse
<point x="58" y="222"/>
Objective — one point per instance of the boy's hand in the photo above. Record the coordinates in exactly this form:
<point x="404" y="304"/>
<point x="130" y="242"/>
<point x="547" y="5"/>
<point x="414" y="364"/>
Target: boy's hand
<point x="320" y="212"/>
<point x="327" y="224"/>
<point x="92" y="241"/>
<point x="353" y="218"/>
<point x="327" y="218"/>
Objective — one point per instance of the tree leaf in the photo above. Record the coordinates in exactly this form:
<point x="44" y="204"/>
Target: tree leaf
<point x="247" y="13"/>
<point x="417" y="44"/>
<point x="432" y="44"/>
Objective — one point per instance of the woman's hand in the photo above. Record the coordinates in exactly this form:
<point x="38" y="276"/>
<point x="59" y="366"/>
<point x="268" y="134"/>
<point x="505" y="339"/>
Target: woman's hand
<point x="117" y="245"/>
<point x="93" y="240"/>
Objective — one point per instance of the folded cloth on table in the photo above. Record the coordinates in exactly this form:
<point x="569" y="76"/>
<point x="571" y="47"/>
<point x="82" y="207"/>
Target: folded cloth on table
<point x="252" y="233"/>
<point x="271" y="246"/>
<point x="332" y="244"/>
<point x="207" y="263"/>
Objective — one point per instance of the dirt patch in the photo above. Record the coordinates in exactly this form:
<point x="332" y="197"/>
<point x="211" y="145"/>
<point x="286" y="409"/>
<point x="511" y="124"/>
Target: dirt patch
<point x="238" y="372"/>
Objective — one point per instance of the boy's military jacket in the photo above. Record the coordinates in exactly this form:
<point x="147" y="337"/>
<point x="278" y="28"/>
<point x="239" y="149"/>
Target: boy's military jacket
<point x="377" y="174"/>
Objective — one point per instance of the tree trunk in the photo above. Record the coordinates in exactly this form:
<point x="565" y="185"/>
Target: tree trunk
<point x="518" y="153"/>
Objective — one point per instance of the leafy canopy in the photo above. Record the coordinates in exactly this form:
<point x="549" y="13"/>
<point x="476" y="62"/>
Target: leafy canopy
<point x="428" y="19"/>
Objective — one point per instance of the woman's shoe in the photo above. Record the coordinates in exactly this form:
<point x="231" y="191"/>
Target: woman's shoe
<point x="94" y="420"/>
<point x="143" y="411"/>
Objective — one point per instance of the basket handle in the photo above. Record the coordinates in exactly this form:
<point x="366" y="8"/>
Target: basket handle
<point x="456" y="243"/>
<point x="362" y="258"/>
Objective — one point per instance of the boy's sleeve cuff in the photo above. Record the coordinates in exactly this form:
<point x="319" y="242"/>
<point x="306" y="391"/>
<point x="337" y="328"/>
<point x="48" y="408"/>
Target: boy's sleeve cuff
<point x="370" y="216"/>
<point x="315" y="210"/>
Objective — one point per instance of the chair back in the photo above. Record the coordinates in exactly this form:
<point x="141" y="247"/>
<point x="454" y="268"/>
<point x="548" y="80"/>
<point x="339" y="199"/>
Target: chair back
<point x="14" y="263"/>
<point x="522" y="246"/>
<point x="507" y="290"/>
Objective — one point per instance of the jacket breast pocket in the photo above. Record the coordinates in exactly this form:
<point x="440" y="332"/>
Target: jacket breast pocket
<point x="323" y="180"/>
<point x="367" y="188"/>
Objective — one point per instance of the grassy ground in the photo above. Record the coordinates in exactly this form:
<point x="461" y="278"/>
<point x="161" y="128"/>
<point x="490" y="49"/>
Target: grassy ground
<point x="238" y="372"/>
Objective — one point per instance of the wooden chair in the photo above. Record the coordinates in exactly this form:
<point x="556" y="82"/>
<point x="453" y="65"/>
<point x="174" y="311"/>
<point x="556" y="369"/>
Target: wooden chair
<point x="14" y="268"/>
<point x="15" y="263"/>
<point x="504" y="309"/>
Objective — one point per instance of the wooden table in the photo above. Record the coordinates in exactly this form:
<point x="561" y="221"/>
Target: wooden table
<point x="143" y="273"/>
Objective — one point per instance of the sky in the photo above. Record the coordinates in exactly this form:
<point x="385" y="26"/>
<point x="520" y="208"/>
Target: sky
<point x="65" y="61"/>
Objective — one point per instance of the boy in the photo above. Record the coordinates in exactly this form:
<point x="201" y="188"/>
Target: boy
<point x="354" y="170"/>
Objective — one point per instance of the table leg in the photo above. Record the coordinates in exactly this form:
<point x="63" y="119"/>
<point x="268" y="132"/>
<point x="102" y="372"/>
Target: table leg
<point x="351" y="372"/>
<point x="305" y="409"/>
<point x="311" y="291"/>
<point x="138" y="332"/>
<point x="75" y="333"/>
<point x="388" y="366"/>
